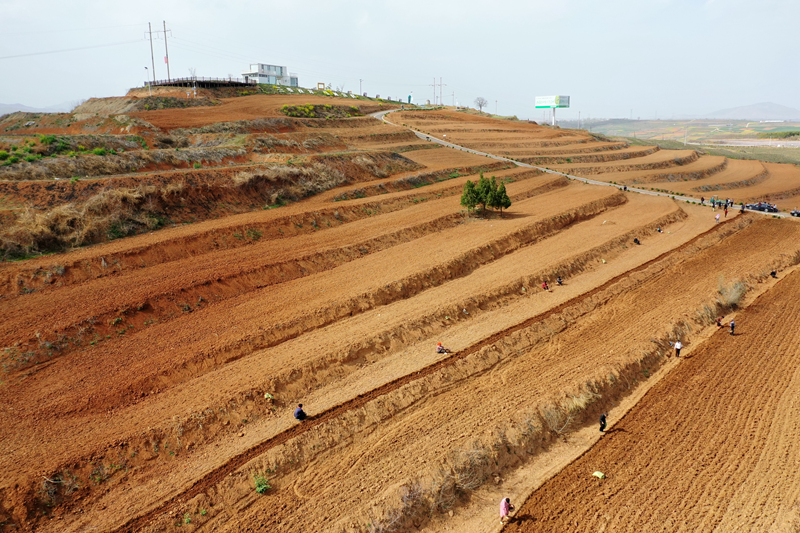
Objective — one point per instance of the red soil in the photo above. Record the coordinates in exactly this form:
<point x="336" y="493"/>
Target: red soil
<point x="147" y="380"/>
<point x="713" y="447"/>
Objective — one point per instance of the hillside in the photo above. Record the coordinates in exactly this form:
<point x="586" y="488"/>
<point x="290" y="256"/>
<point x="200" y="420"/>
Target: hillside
<point x="186" y="275"/>
<point x="762" y="111"/>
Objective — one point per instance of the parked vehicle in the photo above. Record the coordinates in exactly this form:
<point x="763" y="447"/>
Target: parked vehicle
<point x="795" y="213"/>
<point x="763" y="206"/>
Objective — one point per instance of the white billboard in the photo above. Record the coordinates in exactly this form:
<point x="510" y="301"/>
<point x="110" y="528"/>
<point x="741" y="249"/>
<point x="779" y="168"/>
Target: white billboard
<point x="551" y="101"/>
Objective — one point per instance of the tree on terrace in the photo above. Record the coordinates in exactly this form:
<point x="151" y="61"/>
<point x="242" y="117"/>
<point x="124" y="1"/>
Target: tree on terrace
<point x="501" y="199"/>
<point x="469" y="198"/>
<point x="481" y="102"/>
<point x="485" y="193"/>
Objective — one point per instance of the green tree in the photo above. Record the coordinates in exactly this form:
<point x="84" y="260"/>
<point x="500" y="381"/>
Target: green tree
<point x="486" y="191"/>
<point x="501" y="199"/>
<point x="469" y="198"/>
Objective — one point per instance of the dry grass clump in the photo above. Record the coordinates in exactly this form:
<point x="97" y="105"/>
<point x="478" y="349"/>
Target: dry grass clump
<point x="268" y="143"/>
<point x="370" y="166"/>
<point x="730" y="295"/>
<point x="290" y="182"/>
<point x="260" y="125"/>
<point x="108" y="215"/>
<point x="116" y="213"/>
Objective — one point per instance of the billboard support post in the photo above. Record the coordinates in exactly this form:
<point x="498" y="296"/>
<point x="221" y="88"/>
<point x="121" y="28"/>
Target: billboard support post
<point x="552" y="103"/>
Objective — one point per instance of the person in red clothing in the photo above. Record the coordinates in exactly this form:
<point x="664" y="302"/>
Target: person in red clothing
<point x="545" y="286"/>
<point x="442" y="349"/>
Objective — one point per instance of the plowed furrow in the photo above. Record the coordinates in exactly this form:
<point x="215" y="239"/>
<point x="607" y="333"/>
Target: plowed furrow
<point x="680" y="457"/>
<point x="218" y="474"/>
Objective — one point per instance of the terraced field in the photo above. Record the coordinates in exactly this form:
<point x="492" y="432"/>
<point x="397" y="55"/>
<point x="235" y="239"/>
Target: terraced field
<point x="149" y="381"/>
<point x="682" y="172"/>
<point x="713" y="447"/>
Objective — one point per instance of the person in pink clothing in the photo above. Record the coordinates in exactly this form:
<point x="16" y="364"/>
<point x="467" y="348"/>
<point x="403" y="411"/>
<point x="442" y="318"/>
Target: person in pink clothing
<point x="505" y="509"/>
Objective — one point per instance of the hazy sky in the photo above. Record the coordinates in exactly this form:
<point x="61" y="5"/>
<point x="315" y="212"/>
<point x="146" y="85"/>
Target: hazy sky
<point x="614" y="58"/>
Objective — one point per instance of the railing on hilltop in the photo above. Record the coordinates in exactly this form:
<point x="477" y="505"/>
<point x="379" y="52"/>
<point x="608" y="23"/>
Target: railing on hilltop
<point x="200" y="81"/>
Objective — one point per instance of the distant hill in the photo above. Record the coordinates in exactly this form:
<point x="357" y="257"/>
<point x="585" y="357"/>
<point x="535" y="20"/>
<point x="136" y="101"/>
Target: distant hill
<point x="12" y="108"/>
<point x="762" y="111"/>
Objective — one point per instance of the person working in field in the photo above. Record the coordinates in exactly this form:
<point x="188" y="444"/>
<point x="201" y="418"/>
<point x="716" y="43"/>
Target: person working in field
<point x="442" y="349"/>
<point x="505" y="510"/>
<point x="545" y="286"/>
<point x="299" y="414"/>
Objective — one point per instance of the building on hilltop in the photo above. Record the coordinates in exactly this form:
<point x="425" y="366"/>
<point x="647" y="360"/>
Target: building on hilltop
<point x="270" y="75"/>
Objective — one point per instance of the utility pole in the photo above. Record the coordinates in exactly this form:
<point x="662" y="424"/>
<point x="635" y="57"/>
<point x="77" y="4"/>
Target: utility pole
<point x="579" y="120"/>
<point x="495" y="107"/>
<point x="359" y="87"/>
<point x="152" y="60"/>
<point x="441" y="97"/>
<point x="454" y="98"/>
<point x="434" y="90"/>
<point x="166" y="58"/>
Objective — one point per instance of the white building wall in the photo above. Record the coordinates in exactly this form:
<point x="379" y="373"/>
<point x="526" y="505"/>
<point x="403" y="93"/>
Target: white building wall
<point x="271" y="74"/>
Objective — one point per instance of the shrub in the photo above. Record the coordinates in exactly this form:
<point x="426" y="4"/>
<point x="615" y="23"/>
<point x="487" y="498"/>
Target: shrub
<point x="3" y="155"/>
<point x="197" y="165"/>
<point x="731" y="295"/>
<point x="47" y="139"/>
<point x="262" y="483"/>
<point x="99" y="151"/>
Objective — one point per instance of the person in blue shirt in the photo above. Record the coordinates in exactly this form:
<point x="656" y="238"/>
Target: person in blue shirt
<point x="299" y="413"/>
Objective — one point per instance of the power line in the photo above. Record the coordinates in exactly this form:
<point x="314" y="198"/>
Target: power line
<point x="73" y="29"/>
<point x="71" y="49"/>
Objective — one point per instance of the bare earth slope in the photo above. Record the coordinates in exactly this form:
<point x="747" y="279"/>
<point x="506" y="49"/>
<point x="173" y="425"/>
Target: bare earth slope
<point x="148" y="383"/>
<point x="711" y="448"/>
